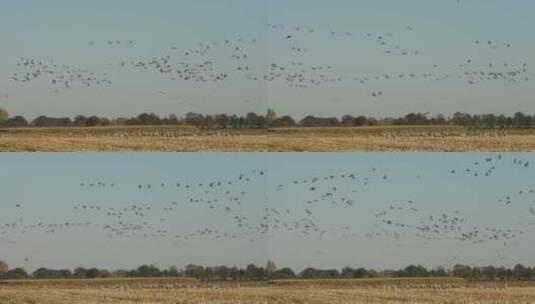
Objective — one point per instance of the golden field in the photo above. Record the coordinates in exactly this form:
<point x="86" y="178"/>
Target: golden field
<point x="184" y="138"/>
<point x="314" y="292"/>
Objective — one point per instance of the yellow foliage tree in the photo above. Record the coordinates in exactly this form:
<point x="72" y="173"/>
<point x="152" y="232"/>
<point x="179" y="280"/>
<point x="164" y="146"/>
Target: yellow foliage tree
<point x="3" y="115"/>
<point x="3" y="266"/>
<point x="271" y="267"/>
<point x="270" y="115"/>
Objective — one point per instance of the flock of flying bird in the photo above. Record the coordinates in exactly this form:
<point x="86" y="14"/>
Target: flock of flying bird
<point x="296" y="64"/>
<point x="232" y="208"/>
<point x="60" y="75"/>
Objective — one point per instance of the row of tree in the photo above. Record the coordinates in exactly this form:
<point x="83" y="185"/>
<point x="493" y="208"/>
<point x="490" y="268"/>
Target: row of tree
<point x="270" y="119"/>
<point x="270" y="271"/>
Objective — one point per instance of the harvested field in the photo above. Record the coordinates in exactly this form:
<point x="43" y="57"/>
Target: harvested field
<point x="101" y="283"/>
<point x="281" y="293"/>
<point x="380" y="282"/>
<point x="184" y="138"/>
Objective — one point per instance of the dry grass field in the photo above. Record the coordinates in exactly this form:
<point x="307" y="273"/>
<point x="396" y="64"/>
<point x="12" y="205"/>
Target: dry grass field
<point x="99" y="283"/>
<point x="184" y="138"/>
<point x="282" y="292"/>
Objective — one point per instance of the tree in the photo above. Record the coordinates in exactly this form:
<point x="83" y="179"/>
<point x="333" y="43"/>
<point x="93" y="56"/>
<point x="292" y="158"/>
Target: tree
<point x="194" y="119"/>
<point x="80" y="272"/>
<point x="44" y="121"/>
<point x="502" y="274"/>
<point x="312" y="121"/>
<point x="521" y="272"/>
<point x="17" y="121"/>
<point x="253" y="272"/>
<point x="270" y="267"/>
<point x="4" y="115"/>
<point x="93" y="121"/>
<point x="358" y="273"/>
<point x="462" y="271"/>
<point x="439" y="272"/>
<point x="17" y="273"/>
<point x="104" y="273"/>
<point x="148" y="119"/>
<point x="284" y="273"/>
<point x="347" y="120"/>
<point x="221" y="272"/>
<point x="415" y="271"/>
<point x="254" y="120"/>
<point x="284" y="121"/>
<point x="489" y="273"/>
<point x="234" y="273"/>
<point x="461" y="119"/>
<point x="80" y="120"/>
<point x="347" y="272"/>
<point x="3" y="267"/>
<point x="208" y="121"/>
<point x="147" y="271"/>
<point x="194" y="271"/>
<point x="172" y="119"/>
<point x="416" y="119"/>
<point x="173" y="271"/>
<point x="361" y="121"/>
<point x="270" y="116"/>
<point x="92" y="273"/>
<point x="489" y="120"/>
<point x="222" y="120"/>
<point x="44" y="273"/>
<point x="312" y="273"/>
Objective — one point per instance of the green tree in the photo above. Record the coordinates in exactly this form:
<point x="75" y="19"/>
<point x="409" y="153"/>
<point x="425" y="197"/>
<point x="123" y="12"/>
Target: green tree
<point x="92" y="273"/>
<point x="17" y="273"/>
<point x="462" y="271"/>
<point x="284" y="273"/>
<point x="17" y="121"/>
<point x="80" y="272"/>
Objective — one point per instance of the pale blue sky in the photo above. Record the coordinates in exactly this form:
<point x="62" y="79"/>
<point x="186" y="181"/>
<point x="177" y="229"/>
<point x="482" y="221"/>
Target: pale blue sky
<point x="48" y="187"/>
<point x="443" y="32"/>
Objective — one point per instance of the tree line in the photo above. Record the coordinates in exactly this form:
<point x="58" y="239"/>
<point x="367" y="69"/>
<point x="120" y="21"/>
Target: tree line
<point x="253" y="272"/>
<point x="270" y="119"/>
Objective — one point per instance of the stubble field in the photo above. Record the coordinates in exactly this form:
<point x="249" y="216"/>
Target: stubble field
<point x="190" y="139"/>
<point x="314" y="292"/>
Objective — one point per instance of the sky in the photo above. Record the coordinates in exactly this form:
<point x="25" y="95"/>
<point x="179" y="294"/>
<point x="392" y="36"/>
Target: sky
<point x="438" y="38"/>
<point x="64" y="210"/>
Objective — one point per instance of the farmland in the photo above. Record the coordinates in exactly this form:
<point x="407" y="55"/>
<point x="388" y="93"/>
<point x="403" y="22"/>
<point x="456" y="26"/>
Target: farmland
<point x="426" y="290"/>
<point x="185" y="138"/>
